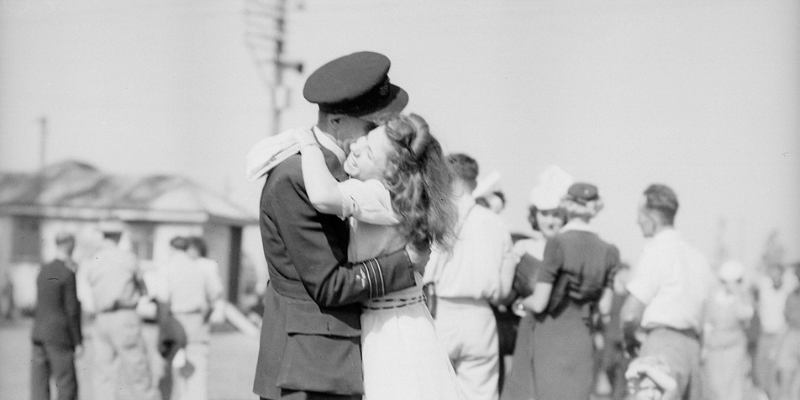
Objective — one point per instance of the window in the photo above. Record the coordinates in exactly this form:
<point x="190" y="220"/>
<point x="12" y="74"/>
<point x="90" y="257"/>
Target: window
<point x="27" y="242"/>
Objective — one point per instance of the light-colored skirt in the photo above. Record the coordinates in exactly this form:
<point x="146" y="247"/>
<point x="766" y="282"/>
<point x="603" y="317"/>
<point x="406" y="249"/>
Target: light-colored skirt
<point x="401" y="355"/>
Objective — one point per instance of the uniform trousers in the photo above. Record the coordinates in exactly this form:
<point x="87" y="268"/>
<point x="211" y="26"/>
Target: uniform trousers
<point x="57" y="361"/>
<point x="122" y="368"/>
<point x="468" y="331"/>
<point x="681" y="353"/>
<point x="191" y="382"/>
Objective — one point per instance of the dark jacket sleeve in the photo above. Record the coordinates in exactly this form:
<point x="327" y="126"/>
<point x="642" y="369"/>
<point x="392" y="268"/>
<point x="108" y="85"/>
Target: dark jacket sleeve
<point x="72" y="307"/>
<point x="330" y="280"/>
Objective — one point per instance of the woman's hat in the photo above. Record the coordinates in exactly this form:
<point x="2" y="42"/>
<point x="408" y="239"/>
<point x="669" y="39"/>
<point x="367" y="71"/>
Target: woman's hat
<point x="553" y="185"/>
<point x="583" y="193"/>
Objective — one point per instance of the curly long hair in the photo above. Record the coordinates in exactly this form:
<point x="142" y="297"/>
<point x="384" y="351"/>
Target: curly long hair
<point x="420" y="182"/>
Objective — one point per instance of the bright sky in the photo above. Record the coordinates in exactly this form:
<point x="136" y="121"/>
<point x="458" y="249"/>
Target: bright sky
<point x="700" y="95"/>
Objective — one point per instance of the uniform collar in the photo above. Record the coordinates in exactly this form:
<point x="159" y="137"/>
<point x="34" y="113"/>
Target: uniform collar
<point x="326" y="140"/>
<point x="577" y="225"/>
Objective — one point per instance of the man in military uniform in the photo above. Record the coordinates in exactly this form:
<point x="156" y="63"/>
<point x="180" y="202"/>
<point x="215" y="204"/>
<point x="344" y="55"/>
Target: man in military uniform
<point x="310" y="336"/>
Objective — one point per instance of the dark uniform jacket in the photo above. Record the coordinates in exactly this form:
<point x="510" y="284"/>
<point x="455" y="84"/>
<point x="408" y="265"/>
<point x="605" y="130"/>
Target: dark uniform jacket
<point x="310" y="335"/>
<point x="58" y="313"/>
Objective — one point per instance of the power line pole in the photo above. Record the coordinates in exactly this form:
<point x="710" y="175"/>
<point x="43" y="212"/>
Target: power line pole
<point x="43" y="141"/>
<point x="265" y="32"/>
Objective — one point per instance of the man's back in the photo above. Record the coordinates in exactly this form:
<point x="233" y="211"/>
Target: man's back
<point x="111" y="274"/>
<point x="481" y="263"/>
<point x="672" y="279"/>
<point x="57" y="319"/>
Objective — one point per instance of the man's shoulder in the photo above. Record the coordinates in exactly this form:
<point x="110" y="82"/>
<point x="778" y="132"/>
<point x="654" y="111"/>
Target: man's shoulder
<point x="288" y="168"/>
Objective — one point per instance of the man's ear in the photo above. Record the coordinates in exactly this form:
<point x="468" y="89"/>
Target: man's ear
<point x="334" y="120"/>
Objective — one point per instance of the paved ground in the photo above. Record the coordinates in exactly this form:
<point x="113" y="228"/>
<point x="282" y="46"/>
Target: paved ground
<point x="233" y="357"/>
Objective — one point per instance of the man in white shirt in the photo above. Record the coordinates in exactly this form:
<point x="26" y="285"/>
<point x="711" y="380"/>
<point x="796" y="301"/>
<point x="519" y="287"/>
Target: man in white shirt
<point x="667" y="290"/>
<point x="479" y="271"/>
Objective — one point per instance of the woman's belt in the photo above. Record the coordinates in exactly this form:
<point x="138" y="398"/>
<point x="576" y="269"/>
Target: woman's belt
<point x="389" y="303"/>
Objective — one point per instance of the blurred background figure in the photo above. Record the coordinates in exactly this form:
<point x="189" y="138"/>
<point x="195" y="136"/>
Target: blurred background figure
<point x="573" y="284"/>
<point x="192" y="288"/>
<point x="613" y="363"/>
<point x="121" y="365"/>
<point x="56" y="335"/>
<point x="197" y="250"/>
<point x="788" y="354"/>
<point x="728" y="312"/>
<point x="772" y="291"/>
<point x="667" y="293"/>
<point x="546" y="219"/>
<point x="488" y="193"/>
<point x="477" y="273"/>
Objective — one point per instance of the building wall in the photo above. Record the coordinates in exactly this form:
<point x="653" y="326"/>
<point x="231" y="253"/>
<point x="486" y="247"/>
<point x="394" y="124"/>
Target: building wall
<point x="5" y="248"/>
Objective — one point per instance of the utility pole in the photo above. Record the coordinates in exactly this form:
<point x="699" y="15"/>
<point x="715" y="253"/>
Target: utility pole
<point x="265" y="30"/>
<point x="43" y="142"/>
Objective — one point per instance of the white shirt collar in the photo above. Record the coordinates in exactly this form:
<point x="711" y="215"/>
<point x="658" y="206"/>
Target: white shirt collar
<point x="327" y="141"/>
<point x="668" y="233"/>
<point x="577" y="225"/>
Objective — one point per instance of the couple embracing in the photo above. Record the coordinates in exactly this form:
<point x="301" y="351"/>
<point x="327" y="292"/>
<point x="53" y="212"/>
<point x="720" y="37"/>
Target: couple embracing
<point x="346" y="237"/>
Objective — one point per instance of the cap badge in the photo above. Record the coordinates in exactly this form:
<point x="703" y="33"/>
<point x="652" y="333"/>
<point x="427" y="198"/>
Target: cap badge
<point x="384" y="89"/>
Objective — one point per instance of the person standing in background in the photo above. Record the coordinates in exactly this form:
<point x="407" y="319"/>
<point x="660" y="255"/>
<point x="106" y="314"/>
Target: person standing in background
<point x="121" y="365"/>
<point x="197" y="250"/>
<point x="573" y="284"/>
<point x="479" y="271"/>
<point x="190" y="295"/>
<point x="56" y="332"/>
<point x="667" y="292"/>
<point x="789" y="350"/>
<point x="726" y="362"/>
<point x="772" y="291"/>
<point x="546" y="219"/>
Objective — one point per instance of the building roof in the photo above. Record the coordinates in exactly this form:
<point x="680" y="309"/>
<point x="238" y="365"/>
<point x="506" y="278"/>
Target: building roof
<point x="76" y="190"/>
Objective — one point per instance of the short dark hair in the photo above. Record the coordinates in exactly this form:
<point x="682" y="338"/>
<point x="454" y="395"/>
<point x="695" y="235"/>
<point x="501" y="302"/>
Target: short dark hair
<point x="199" y="244"/>
<point x="65" y="238"/>
<point x="179" y="243"/>
<point x="464" y="167"/>
<point x="662" y="199"/>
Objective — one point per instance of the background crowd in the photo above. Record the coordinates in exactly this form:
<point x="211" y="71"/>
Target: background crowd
<point x="114" y="296"/>
<point x="514" y="325"/>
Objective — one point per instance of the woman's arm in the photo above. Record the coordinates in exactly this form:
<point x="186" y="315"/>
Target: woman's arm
<point x="322" y="188"/>
<point x="604" y="305"/>
<point x="540" y="296"/>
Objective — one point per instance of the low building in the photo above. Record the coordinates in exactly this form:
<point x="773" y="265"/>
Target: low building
<point x="75" y="196"/>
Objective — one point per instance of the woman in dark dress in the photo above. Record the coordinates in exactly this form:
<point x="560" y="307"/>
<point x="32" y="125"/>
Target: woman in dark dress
<point x="546" y="218"/>
<point x="574" y="282"/>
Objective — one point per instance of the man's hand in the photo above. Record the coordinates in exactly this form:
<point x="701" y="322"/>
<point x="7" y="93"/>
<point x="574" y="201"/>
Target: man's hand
<point x="419" y="257"/>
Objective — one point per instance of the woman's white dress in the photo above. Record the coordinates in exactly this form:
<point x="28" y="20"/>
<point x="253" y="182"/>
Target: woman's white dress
<point x="401" y="355"/>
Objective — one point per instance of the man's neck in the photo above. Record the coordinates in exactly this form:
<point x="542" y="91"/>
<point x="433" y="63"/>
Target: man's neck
<point x="63" y="256"/>
<point x="662" y="228"/>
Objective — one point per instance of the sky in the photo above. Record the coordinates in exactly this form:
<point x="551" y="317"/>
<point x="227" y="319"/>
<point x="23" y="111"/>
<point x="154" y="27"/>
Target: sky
<point x="703" y="96"/>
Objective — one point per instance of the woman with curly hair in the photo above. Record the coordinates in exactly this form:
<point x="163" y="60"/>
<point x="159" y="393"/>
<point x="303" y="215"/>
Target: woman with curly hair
<point x="399" y="192"/>
<point x="573" y="284"/>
